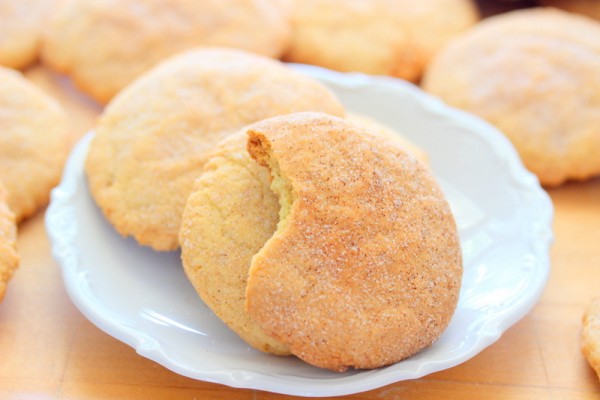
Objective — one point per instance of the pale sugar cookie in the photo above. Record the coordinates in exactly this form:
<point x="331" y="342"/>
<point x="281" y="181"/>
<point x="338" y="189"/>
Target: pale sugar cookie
<point x="384" y="37"/>
<point x="105" y="44"/>
<point x="21" y="25"/>
<point x="34" y="142"/>
<point x="533" y="74"/>
<point x="228" y="217"/>
<point x="153" y="139"/>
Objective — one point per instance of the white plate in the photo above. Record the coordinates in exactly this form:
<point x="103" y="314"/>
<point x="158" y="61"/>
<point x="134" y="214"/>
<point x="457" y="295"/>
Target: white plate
<point x="143" y="298"/>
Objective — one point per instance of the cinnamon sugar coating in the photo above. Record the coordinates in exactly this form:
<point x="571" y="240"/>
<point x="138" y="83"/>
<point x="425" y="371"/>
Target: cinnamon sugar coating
<point x="365" y="268"/>
<point x="533" y="74"/>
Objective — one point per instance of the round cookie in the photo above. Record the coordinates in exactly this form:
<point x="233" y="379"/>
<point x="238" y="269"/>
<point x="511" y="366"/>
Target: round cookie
<point x="534" y="75"/>
<point x="9" y="258"/>
<point x="590" y="337"/>
<point x="365" y="266"/>
<point x="590" y="8"/>
<point x="105" y="44"/>
<point x="33" y="144"/>
<point x="228" y="217"/>
<point x="21" y="25"/>
<point x="385" y="37"/>
<point x="152" y="140"/>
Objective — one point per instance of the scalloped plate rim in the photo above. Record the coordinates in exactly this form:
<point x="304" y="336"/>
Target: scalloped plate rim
<point x="344" y="385"/>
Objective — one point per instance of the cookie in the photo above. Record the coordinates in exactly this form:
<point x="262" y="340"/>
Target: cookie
<point x="153" y="139"/>
<point x="364" y="268"/>
<point x="384" y="37"/>
<point x="105" y="44"/>
<point x="33" y="145"/>
<point x="228" y="217"/>
<point x="21" y="25"/>
<point x="590" y="8"/>
<point x="534" y="75"/>
<point x="9" y="258"/>
<point x="590" y="337"/>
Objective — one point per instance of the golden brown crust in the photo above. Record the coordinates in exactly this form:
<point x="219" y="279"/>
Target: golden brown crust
<point x="9" y="258"/>
<point x="153" y="139"/>
<point x="105" y="44"/>
<point x="21" y="25"/>
<point x="33" y="145"/>
<point x="533" y="74"/>
<point x="387" y="37"/>
<point x="590" y="337"/>
<point x="366" y="268"/>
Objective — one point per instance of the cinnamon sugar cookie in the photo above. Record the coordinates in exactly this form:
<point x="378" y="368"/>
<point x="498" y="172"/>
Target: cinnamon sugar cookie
<point x="34" y="143"/>
<point x="228" y="217"/>
<point x="153" y="139"/>
<point x="364" y="268"/>
<point x="105" y="44"/>
<point x="590" y="338"/>
<point x="9" y="258"/>
<point x="386" y="37"/>
<point x="533" y="74"/>
<point x="21" y="25"/>
<point x="590" y="8"/>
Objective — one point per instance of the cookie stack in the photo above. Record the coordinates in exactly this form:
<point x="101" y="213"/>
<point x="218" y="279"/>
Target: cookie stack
<point x="242" y="161"/>
<point x="361" y="267"/>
